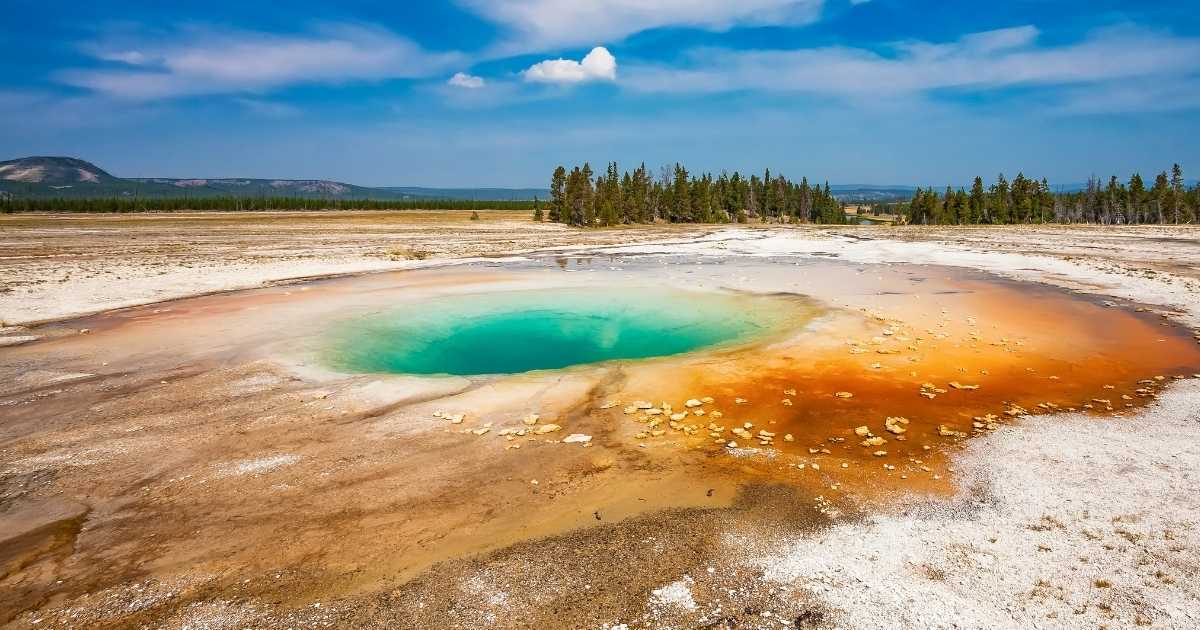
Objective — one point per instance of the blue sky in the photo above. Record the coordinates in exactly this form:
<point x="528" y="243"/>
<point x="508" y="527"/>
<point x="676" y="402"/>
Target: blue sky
<point x="497" y="92"/>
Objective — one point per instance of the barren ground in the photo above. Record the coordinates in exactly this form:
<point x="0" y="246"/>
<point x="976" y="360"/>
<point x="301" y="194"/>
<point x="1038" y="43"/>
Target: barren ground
<point x="189" y="464"/>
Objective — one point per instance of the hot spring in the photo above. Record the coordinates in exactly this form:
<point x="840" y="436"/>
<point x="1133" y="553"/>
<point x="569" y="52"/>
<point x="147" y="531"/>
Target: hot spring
<point x="519" y="331"/>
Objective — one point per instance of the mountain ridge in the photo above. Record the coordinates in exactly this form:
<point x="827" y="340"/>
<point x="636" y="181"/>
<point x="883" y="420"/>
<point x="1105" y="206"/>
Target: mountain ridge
<point x="69" y="177"/>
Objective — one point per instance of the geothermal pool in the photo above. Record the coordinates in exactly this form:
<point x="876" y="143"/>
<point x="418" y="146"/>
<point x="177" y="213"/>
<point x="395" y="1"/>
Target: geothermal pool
<point x="509" y="332"/>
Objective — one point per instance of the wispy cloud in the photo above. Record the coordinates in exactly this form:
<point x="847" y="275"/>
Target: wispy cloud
<point x="268" y="109"/>
<point x="597" y="65"/>
<point x="986" y="60"/>
<point x="539" y="24"/>
<point x="197" y="61"/>
<point x="1118" y="97"/>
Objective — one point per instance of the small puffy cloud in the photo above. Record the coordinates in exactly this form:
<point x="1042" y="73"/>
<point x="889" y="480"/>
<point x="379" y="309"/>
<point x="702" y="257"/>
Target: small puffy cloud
<point x="464" y="80"/>
<point x="598" y="65"/>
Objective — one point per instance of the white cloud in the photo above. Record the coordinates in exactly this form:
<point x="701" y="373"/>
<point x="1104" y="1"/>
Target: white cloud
<point x="1148" y="95"/>
<point x="202" y="61"/>
<point x="464" y="80"/>
<point x="998" y="40"/>
<point x="992" y="59"/>
<point x="545" y="23"/>
<point x="131" y="57"/>
<point x="268" y="109"/>
<point x="598" y="65"/>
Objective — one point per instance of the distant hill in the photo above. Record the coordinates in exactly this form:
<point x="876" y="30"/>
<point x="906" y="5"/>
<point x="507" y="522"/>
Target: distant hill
<point x="474" y="194"/>
<point x="54" y="172"/>
<point x="869" y="193"/>
<point x="244" y="187"/>
<point x="66" y="177"/>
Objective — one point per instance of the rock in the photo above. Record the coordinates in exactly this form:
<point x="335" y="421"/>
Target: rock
<point x="692" y="402"/>
<point x="455" y="418"/>
<point x="642" y="404"/>
<point x="880" y="453"/>
<point x="843" y="394"/>
<point x="731" y="444"/>
<point x="946" y="431"/>
<point x="17" y="340"/>
<point x="579" y="438"/>
<point x="531" y="419"/>
<point x="896" y="424"/>
<point x="787" y="402"/>
<point x="547" y="428"/>
<point x="678" y="416"/>
<point x="789" y="392"/>
<point x="862" y="431"/>
<point x="740" y="401"/>
<point x="481" y="431"/>
<point x="874" y="440"/>
<point x="609" y="405"/>
<point x="957" y="385"/>
<point x="788" y="438"/>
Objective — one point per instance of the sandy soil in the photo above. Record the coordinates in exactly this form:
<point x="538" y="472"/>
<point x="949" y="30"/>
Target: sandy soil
<point x="193" y="464"/>
<point x="58" y="266"/>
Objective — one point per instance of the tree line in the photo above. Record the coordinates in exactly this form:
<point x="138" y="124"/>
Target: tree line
<point x="246" y="204"/>
<point x="581" y="198"/>
<point x="1025" y="200"/>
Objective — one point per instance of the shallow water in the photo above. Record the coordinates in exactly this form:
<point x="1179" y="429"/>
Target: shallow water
<point x="519" y="331"/>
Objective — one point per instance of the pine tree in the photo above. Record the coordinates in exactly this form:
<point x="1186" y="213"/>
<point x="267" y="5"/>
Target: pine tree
<point x="978" y="210"/>
<point x="588" y="196"/>
<point x="558" y="195"/>
<point x="1160" y="196"/>
<point x="1137" y="199"/>
<point x="1176" y="192"/>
